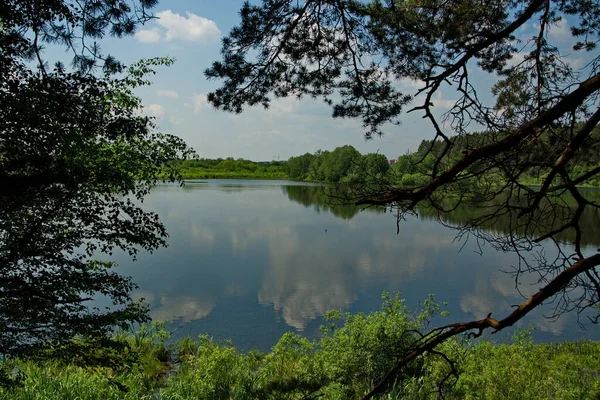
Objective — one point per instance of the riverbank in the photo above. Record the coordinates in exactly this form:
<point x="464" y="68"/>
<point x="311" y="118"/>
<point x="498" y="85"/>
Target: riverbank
<point x="285" y="177"/>
<point x="343" y="364"/>
<point x="344" y="164"/>
<point x="488" y="372"/>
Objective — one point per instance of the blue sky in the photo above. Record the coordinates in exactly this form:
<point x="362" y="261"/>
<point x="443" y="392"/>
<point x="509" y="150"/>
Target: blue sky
<point x="191" y="30"/>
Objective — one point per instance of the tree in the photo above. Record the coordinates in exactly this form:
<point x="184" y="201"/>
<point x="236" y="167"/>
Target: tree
<point x="76" y="159"/>
<point x="339" y="162"/>
<point x="317" y="166"/>
<point x="298" y="167"/>
<point x="353" y="54"/>
<point x="368" y="169"/>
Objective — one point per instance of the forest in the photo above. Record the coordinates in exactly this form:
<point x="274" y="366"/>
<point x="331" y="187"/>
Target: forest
<point x="347" y="165"/>
<point x="344" y="164"/>
<point x="413" y="168"/>
<point x="229" y="168"/>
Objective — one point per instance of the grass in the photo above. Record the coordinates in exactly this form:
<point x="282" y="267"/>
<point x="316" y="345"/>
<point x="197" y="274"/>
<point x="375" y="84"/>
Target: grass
<point x="353" y="353"/>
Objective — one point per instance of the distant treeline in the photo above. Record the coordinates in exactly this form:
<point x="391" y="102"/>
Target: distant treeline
<point x="415" y="168"/>
<point x="347" y="165"/>
<point x="344" y="164"/>
<point x="229" y="168"/>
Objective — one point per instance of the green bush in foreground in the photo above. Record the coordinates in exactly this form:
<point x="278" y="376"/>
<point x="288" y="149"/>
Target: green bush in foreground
<point x="353" y="353"/>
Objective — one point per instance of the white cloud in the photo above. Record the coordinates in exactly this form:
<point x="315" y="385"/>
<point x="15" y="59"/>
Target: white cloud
<point x="192" y="28"/>
<point x="575" y="63"/>
<point x="156" y="110"/>
<point x="202" y="236"/>
<point x="172" y="94"/>
<point x="283" y="105"/>
<point x="148" y="35"/>
<point x="516" y="59"/>
<point x="520" y="57"/>
<point x="200" y="102"/>
<point x="439" y="102"/>
<point x="560" y="31"/>
<point x="184" y="308"/>
<point x="411" y="84"/>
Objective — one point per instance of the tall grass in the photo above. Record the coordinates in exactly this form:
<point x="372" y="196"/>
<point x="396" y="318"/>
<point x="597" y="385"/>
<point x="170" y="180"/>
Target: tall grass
<point x="353" y="353"/>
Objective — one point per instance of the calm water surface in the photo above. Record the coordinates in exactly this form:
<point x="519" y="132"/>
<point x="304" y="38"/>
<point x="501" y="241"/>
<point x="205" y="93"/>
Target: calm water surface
<point x="251" y="260"/>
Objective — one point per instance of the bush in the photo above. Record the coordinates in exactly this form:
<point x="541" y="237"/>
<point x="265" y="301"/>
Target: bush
<point x="354" y="352"/>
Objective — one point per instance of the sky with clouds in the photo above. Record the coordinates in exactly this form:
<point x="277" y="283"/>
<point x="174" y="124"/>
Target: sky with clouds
<point x="191" y="31"/>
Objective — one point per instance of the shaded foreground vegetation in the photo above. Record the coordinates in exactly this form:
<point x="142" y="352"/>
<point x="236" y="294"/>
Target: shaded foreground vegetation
<point x="353" y="352"/>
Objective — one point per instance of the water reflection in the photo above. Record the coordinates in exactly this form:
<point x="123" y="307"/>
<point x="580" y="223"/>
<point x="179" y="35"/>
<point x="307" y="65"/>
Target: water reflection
<point x="589" y="221"/>
<point x="305" y="279"/>
<point x="320" y="200"/>
<point x="250" y="260"/>
<point x="173" y="307"/>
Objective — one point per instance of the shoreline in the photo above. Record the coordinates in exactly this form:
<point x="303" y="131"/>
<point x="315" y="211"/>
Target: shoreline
<point x="286" y="178"/>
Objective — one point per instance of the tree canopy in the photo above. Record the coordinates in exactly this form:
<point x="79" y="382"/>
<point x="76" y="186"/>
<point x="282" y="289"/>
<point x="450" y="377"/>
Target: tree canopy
<point x="540" y="112"/>
<point x="342" y="165"/>
<point x="76" y="158"/>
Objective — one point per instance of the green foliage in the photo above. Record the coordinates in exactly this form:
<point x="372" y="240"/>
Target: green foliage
<point x="342" y="165"/>
<point x="366" y="347"/>
<point x="77" y="26"/>
<point x="353" y="353"/>
<point x="527" y="371"/>
<point x="68" y="195"/>
<point x="137" y="370"/>
<point x="76" y="160"/>
<point x="408" y="172"/>
<point x="299" y="167"/>
<point x="415" y="169"/>
<point x="307" y="48"/>
<point x="209" y="371"/>
<point x="204" y="168"/>
<point x="337" y="164"/>
<point x="343" y="364"/>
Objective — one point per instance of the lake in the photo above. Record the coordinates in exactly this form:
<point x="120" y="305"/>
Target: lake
<point x="251" y="260"/>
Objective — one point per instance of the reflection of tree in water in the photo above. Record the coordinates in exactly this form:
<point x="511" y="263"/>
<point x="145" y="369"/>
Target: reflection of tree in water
<point x="321" y="199"/>
<point x="464" y="214"/>
<point x="470" y="214"/>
